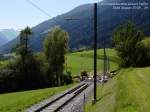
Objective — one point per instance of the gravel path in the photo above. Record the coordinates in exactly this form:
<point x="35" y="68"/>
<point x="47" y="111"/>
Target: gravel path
<point x="77" y="104"/>
<point x="54" y="106"/>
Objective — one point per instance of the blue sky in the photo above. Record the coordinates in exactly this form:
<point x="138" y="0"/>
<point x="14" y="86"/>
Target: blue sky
<point x="19" y="13"/>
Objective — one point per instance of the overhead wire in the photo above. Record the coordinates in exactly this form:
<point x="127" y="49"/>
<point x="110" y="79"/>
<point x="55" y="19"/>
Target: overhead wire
<point x="37" y="7"/>
<point x="43" y="11"/>
<point x="47" y="14"/>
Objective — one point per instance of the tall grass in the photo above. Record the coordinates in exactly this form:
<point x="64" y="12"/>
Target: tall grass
<point x="127" y="92"/>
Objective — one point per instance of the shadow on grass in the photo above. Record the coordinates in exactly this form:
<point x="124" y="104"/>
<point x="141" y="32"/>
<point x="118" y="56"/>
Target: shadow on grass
<point x="104" y="95"/>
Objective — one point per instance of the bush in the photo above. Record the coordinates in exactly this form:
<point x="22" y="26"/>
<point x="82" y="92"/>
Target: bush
<point x="67" y="78"/>
<point x="22" y="75"/>
<point x="127" y="40"/>
<point x="144" y="52"/>
<point x="84" y="75"/>
<point x="6" y="79"/>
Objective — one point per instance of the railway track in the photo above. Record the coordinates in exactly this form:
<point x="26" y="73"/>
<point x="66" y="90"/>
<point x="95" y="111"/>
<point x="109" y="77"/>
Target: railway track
<point x="60" y="101"/>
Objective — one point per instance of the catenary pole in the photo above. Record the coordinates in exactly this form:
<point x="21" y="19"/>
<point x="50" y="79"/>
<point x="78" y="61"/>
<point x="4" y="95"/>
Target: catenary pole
<point x="95" y="51"/>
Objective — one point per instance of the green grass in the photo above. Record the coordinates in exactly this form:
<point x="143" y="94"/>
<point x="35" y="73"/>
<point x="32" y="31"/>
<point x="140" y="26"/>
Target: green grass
<point x="83" y="61"/>
<point x="77" y="62"/>
<point x="127" y="92"/>
<point x="80" y="61"/>
<point x="111" y="53"/>
<point x="3" y="64"/>
<point x="16" y="102"/>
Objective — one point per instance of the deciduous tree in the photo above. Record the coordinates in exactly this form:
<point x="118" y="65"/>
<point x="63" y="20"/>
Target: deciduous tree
<point x="126" y="39"/>
<point x="55" y="48"/>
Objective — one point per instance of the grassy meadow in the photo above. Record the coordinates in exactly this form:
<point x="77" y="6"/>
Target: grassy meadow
<point x="83" y="61"/>
<point x="129" y="91"/>
<point x="76" y="62"/>
<point x="18" y="101"/>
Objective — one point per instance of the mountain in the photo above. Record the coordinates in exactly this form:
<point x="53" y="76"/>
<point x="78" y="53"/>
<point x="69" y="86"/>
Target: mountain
<point x="81" y="31"/>
<point x="10" y="34"/>
<point x="3" y="39"/>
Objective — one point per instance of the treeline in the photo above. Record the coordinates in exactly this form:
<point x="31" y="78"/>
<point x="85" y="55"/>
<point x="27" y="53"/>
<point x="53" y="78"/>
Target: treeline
<point x="37" y="70"/>
<point x="132" y="46"/>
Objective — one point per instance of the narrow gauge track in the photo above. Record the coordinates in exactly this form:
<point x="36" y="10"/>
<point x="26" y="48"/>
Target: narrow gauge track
<point x="59" y="102"/>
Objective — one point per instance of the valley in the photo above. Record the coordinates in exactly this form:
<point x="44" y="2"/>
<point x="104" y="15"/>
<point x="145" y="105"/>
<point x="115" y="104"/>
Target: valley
<point x="85" y="56"/>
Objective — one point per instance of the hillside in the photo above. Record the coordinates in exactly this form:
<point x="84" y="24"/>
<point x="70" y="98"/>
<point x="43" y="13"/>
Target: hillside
<point x="3" y="39"/>
<point x="83" y="61"/>
<point x="81" y="31"/>
<point x="18" y="101"/>
<point x="129" y="91"/>
<point x="10" y="34"/>
<point x="76" y="63"/>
